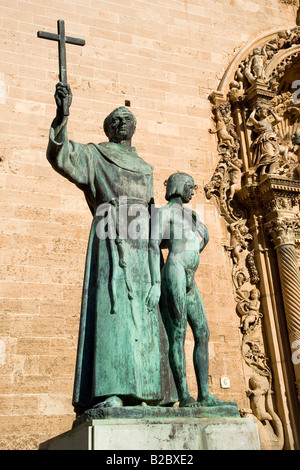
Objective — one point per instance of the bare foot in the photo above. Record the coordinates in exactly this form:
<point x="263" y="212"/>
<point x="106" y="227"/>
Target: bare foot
<point x="213" y="401"/>
<point x="113" y="401"/>
<point x="187" y="402"/>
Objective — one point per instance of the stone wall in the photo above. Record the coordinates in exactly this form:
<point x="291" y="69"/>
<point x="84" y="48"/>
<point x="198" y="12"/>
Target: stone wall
<point x="165" y="57"/>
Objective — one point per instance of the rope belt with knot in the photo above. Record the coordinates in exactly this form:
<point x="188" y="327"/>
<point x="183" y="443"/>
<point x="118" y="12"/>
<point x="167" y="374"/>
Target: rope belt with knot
<point x="116" y="203"/>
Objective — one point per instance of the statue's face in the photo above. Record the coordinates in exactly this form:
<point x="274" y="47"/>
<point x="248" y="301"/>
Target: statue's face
<point x="262" y="112"/>
<point x="296" y="139"/>
<point x="254" y="295"/>
<point x="188" y="190"/>
<point x="122" y="126"/>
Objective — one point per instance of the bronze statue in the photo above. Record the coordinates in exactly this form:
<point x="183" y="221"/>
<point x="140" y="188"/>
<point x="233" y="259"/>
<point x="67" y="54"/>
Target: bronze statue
<point x="118" y="360"/>
<point x="178" y="229"/>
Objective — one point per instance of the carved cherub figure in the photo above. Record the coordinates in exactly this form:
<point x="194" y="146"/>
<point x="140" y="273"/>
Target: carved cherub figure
<point x="235" y="89"/>
<point x="254" y="69"/>
<point x="269" y="425"/>
<point x="238" y="241"/>
<point x="279" y="41"/>
<point x="234" y="173"/>
<point x="249" y="308"/>
<point x="258" y="389"/>
<point x="257" y="62"/>
<point x="221" y="130"/>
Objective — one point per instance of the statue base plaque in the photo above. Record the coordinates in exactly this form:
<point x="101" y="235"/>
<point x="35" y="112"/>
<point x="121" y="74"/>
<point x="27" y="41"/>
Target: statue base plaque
<point x="187" y="429"/>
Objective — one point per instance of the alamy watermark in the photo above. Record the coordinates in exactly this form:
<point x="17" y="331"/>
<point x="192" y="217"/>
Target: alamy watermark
<point x="296" y="354"/>
<point x="296" y="93"/>
<point x="124" y="219"/>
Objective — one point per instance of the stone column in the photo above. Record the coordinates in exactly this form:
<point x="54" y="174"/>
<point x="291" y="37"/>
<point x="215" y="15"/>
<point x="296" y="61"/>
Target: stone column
<point x="282" y="233"/>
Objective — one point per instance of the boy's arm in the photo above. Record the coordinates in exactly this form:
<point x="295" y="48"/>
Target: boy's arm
<point x="156" y="235"/>
<point x="202" y="230"/>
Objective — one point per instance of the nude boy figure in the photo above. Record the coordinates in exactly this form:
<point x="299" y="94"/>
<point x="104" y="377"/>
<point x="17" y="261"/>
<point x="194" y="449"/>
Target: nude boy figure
<point x="180" y="230"/>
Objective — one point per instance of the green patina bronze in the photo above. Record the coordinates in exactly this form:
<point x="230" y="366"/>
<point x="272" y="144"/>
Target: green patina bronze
<point x="119" y="353"/>
<point x="125" y="350"/>
<point x="185" y="236"/>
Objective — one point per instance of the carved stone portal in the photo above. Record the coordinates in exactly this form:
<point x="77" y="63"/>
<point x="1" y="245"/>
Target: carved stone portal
<point x="256" y="115"/>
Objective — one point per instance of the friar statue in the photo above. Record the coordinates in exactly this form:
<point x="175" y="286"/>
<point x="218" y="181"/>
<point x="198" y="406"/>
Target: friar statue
<point x="118" y="357"/>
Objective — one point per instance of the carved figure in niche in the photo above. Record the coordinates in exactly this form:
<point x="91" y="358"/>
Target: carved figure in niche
<point x="248" y="307"/>
<point x="266" y="148"/>
<point x="258" y="388"/>
<point x="240" y="278"/>
<point x="257" y="62"/>
<point x="270" y="428"/>
<point x="281" y="39"/>
<point x="254" y="69"/>
<point x="185" y="236"/>
<point x="296" y="152"/>
<point x="234" y="180"/>
<point x="239" y="239"/>
<point x="234" y="173"/>
<point x="236" y="90"/>
<point x="284" y="106"/>
<point x="225" y="138"/>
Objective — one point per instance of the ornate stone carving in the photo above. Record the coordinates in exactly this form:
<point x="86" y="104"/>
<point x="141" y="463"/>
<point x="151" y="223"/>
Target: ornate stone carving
<point x="257" y="184"/>
<point x="265" y="146"/>
<point x="227" y="176"/>
<point x="289" y="2"/>
<point x="253" y="67"/>
<point x="278" y="72"/>
<point x="224" y="128"/>
<point x="249" y="308"/>
<point x="239" y="238"/>
<point x="253" y="272"/>
<point x="280" y="203"/>
<point x="281" y="231"/>
<point x="283" y="236"/>
<point x="270" y="428"/>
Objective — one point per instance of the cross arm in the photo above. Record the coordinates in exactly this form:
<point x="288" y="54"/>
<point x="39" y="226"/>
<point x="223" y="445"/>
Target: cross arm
<point x="55" y="37"/>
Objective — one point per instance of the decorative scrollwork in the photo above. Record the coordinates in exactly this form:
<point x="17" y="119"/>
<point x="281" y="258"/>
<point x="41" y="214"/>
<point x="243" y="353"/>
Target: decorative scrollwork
<point x="258" y="133"/>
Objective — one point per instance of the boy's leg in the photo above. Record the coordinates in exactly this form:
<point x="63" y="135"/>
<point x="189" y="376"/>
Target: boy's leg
<point x="173" y="304"/>
<point x="197" y="320"/>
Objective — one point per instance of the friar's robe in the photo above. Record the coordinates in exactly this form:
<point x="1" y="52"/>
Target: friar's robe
<point x="118" y="347"/>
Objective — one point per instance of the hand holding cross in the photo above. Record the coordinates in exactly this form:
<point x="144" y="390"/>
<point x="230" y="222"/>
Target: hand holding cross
<point x="63" y="94"/>
<point x="63" y="99"/>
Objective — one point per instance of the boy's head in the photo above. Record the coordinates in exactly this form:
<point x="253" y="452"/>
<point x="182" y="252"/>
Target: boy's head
<point x="180" y="184"/>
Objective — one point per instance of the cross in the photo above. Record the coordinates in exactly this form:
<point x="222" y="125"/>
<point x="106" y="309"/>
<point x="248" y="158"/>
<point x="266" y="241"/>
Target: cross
<point x="62" y="40"/>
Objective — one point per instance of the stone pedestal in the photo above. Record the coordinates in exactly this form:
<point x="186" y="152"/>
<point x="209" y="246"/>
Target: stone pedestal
<point x="153" y="434"/>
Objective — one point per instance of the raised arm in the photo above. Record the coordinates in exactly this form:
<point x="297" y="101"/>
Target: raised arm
<point x="68" y="158"/>
<point x="277" y="119"/>
<point x="251" y="121"/>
